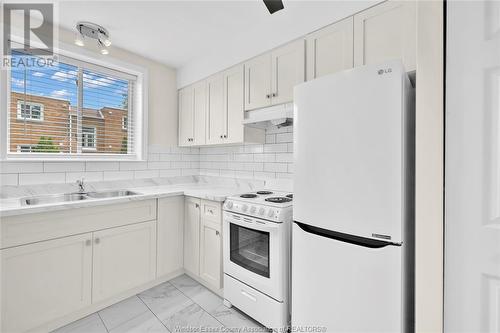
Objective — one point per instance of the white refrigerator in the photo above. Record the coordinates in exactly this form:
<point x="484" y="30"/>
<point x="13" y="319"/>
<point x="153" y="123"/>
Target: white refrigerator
<point x="352" y="242"/>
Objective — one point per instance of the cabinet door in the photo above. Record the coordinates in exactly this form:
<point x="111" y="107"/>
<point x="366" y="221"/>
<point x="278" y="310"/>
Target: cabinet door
<point x="215" y="102"/>
<point x="200" y="111"/>
<point x="192" y="235"/>
<point x="386" y="32"/>
<point x="170" y="235"/>
<point x="186" y="116"/>
<point x="288" y="70"/>
<point x="258" y="82"/>
<point x="233" y="104"/>
<point x="44" y="281"/>
<point x="330" y="49"/>
<point x="124" y="258"/>
<point x="211" y="253"/>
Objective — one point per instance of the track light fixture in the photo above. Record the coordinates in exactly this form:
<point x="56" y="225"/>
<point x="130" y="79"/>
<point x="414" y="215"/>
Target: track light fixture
<point x="88" y="30"/>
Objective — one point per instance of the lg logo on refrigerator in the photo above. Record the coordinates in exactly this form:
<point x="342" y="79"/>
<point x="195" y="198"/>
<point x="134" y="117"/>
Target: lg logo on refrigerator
<point x="384" y="71"/>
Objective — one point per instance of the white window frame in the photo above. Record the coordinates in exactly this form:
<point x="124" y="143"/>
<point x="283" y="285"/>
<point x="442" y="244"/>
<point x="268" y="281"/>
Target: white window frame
<point x="20" y="104"/>
<point x="94" y="130"/>
<point x="99" y="63"/>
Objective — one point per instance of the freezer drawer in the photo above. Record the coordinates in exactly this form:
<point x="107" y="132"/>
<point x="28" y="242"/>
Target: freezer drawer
<point x="345" y="287"/>
<point x="264" y="309"/>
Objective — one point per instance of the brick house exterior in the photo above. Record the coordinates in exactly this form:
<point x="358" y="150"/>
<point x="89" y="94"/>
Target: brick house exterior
<point x="58" y="121"/>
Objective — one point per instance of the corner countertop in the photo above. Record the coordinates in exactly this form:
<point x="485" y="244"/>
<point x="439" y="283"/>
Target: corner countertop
<point x="13" y="207"/>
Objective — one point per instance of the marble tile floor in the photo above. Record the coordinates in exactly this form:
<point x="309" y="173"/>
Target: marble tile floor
<point x="179" y="305"/>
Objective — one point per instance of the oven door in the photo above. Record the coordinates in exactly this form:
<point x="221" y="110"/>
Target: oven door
<point x="254" y="253"/>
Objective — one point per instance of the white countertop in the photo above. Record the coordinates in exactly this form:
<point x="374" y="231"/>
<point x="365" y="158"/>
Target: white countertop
<point x="13" y="206"/>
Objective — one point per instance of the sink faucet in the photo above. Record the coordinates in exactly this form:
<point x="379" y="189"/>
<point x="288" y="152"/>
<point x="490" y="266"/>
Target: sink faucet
<point x="81" y="185"/>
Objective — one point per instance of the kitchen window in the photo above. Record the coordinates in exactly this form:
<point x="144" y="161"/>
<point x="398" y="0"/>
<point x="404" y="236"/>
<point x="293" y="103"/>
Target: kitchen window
<point x="74" y="110"/>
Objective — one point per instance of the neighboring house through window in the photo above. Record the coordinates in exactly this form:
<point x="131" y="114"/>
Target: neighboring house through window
<point x="62" y="109"/>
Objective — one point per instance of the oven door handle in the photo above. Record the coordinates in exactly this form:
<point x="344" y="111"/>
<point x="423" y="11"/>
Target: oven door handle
<point x="254" y="224"/>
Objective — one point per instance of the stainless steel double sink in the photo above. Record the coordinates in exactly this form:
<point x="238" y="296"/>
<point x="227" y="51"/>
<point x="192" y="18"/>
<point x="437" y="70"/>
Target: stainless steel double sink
<point x="78" y="196"/>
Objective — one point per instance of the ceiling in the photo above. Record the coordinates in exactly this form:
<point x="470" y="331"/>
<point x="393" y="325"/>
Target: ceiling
<point x="201" y="37"/>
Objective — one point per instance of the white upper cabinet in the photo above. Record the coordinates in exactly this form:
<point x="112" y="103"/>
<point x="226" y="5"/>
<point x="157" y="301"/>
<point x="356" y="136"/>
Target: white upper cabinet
<point x="200" y="108"/>
<point x="258" y="82"/>
<point x="216" y="127"/>
<point x="270" y="78"/>
<point x="192" y="113"/>
<point x="288" y="70"/>
<point x="330" y="49"/>
<point x="233" y="104"/>
<point x="385" y="32"/>
<point x="186" y="116"/>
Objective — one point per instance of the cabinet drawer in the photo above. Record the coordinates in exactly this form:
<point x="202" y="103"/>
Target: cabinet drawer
<point x="211" y="210"/>
<point x="29" y="228"/>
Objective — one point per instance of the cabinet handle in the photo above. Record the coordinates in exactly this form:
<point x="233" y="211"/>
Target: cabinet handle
<point x="197" y="206"/>
<point x="225" y="136"/>
<point x="275" y="94"/>
<point x="268" y="96"/>
<point x="88" y="242"/>
<point x="217" y="233"/>
<point x="97" y="240"/>
<point x="221" y="136"/>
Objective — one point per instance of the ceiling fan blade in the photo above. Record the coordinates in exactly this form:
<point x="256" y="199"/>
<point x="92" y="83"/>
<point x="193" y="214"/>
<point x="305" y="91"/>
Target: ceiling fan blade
<point x="274" y="5"/>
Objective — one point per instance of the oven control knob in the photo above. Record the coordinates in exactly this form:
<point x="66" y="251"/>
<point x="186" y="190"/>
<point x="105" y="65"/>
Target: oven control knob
<point x="261" y="211"/>
<point x="271" y="213"/>
<point x="229" y="204"/>
<point x="244" y="208"/>
<point x="252" y="210"/>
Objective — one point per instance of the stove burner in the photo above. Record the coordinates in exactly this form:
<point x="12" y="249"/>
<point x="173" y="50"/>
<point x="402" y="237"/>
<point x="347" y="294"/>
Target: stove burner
<point x="278" y="199"/>
<point x="249" y="195"/>
<point x="264" y="192"/>
<point x="289" y="196"/>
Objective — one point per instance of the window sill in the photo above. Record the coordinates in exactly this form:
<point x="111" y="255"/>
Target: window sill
<point x="41" y="157"/>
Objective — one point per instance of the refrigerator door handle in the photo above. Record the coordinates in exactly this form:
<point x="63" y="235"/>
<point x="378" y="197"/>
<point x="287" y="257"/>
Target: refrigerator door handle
<point x="351" y="239"/>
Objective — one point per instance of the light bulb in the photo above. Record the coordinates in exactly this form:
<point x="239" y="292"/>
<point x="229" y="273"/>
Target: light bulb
<point x="106" y="42"/>
<point x="79" y="40"/>
<point x="104" y="51"/>
<point x="102" y="48"/>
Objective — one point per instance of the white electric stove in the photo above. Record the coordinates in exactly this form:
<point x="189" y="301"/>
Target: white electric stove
<point x="256" y="238"/>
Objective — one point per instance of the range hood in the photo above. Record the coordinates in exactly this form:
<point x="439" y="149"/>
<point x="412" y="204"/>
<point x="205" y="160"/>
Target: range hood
<point x="277" y="115"/>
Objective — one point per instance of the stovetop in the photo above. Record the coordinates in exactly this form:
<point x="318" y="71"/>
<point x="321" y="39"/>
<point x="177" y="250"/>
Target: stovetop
<point x="266" y="197"/>
<point x="275" y="206"/>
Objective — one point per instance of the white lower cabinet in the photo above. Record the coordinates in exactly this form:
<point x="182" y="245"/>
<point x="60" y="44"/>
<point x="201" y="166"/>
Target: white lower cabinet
<point x="44" y="281"/>
<point x="203" y="241"/>
<point x="192" y="235"/>
<point x="211" y="253"/>
<point x="124" y="258"/>
<point x="170" y="231"/>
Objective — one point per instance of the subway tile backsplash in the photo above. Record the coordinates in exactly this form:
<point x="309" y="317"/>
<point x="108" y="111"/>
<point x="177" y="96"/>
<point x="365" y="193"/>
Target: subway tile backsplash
<point x="260" y="161"/>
